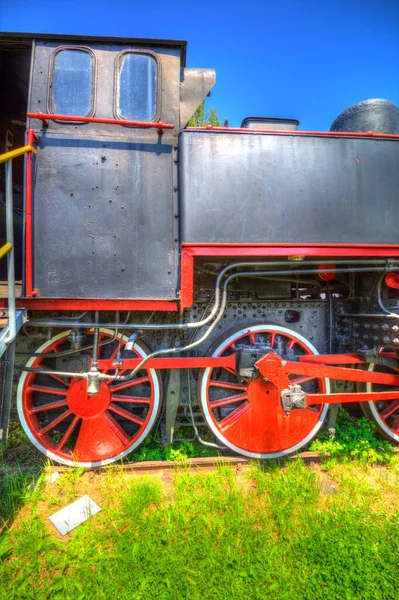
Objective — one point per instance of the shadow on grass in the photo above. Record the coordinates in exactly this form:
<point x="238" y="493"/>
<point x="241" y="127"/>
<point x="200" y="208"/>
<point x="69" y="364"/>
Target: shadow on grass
<point x="21" y="466"/>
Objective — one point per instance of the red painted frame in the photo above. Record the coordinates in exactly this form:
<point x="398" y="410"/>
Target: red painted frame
<point x="36" y="303"/>
<point x="236" y="251"/>
<point x="31" y="139"/>
<point x="188" y="254"/>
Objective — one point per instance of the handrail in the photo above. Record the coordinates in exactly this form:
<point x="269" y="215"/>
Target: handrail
<point x="10" y="331"/>
<point x="45" y="117"/>
<point x="15" y="153"/>
<point x="5" y="249"/>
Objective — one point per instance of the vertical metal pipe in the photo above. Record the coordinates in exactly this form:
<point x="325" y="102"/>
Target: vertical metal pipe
<point x="10" y="257"/>
<point x="95" y="342"/>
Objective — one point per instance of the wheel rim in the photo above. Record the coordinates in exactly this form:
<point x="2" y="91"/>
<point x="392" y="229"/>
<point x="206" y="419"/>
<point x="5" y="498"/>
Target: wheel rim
<point x="73" y="428"/>
<point x="384" y="413"/>
<point x="248" y="417"/>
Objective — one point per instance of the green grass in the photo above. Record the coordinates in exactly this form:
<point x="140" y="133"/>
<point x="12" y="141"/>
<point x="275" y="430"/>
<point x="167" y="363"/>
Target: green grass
<point x="292" y="532"/>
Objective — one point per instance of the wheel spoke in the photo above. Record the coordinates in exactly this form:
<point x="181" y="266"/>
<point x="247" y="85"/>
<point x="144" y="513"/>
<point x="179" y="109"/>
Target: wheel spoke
<point x="390" y="409"/>
<point x="126" y="414"/>
<point x="49" y="406"/>
<point x="227" y="385"/>
<point x="395" y="425"/>
<point x="59" y="379"/>
<point x="228" y="400"/>
<point x="230" y="370"/>
<point x="252" y="338"/>
<point x="68" y="433"/>
<point x="235" y="416"/>
<point x="291" y="344"/>
<point x="56" y="377"/>
<point x="116" y="428"/>
<point x="272" y="339"/>
<point x="126" y="384"/>
<point x="131" y="399"/>
<point x="112" y="357"/>
<point x="54" y="423"/>
<point x="45" y="389"/>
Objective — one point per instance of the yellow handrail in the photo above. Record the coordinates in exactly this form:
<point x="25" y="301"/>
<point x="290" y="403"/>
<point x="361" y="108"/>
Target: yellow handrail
<point x="14" y="153"/>
<point x="5" y="249"/>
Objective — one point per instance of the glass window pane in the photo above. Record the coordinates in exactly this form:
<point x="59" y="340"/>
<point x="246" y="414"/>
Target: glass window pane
<point x="72" y="83"/>
<point x="137" y="87"/>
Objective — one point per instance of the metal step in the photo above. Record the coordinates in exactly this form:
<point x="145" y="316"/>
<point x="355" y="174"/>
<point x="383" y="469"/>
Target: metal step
<point x="20" y="320"/>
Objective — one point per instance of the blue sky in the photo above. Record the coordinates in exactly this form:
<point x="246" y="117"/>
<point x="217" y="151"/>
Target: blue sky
<point x="306" y="59"/>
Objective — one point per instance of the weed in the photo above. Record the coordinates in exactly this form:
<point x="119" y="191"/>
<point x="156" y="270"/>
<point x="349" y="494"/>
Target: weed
<point x="180" y="450"/>
<point x="355" y="439"/>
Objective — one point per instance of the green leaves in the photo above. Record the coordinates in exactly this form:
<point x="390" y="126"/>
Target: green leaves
<point x="355" y="439"/>
<point x="201" y="119"/>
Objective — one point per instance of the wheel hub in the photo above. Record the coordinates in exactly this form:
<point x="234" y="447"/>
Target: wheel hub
<point x="84" y="405"/>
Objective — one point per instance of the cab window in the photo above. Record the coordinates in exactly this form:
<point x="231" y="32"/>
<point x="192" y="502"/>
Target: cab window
<point x="72" y="82"/>
<point x="137" y="78"/>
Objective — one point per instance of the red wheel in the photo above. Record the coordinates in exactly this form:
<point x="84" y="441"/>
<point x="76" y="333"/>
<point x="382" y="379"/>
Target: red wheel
<point x="74" y="428"/>
<point x="385" y="413"/>
<point x="247" y="416"/>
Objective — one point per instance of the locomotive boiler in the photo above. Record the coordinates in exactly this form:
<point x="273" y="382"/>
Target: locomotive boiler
<point x="245" y="277"/>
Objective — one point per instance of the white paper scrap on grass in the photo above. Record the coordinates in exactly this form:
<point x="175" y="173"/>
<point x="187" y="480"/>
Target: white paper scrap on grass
<point x="74" y="514"/>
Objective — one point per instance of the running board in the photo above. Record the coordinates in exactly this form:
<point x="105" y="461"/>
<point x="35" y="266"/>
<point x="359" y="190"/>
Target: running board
<point x="20" y="320"/>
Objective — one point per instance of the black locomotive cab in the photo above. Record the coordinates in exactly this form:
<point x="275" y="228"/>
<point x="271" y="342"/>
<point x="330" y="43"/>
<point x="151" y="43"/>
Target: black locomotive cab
<point x="105" y="194"/>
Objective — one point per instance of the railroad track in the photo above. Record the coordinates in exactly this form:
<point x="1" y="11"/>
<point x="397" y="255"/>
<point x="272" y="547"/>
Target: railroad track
<point x="203" y="464"/>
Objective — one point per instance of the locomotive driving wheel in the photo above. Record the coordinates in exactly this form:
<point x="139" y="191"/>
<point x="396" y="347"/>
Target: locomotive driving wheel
<point x="384" y="413"/>
<point x="74" y="428"/>
<point x="246" y="415"/>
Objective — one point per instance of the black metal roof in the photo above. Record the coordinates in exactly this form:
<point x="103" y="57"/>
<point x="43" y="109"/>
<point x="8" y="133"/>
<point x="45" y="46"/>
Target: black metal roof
<point x="12" y="38"/>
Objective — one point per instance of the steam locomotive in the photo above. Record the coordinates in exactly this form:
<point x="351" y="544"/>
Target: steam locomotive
<point x="246" y="278"/>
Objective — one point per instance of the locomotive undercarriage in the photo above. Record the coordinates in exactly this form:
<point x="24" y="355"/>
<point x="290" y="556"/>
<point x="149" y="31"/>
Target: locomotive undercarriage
<point x="262" y="393"/>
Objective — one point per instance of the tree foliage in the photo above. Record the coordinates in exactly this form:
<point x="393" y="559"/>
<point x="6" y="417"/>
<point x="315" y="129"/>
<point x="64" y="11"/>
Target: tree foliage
<point x="201" y="118"/>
